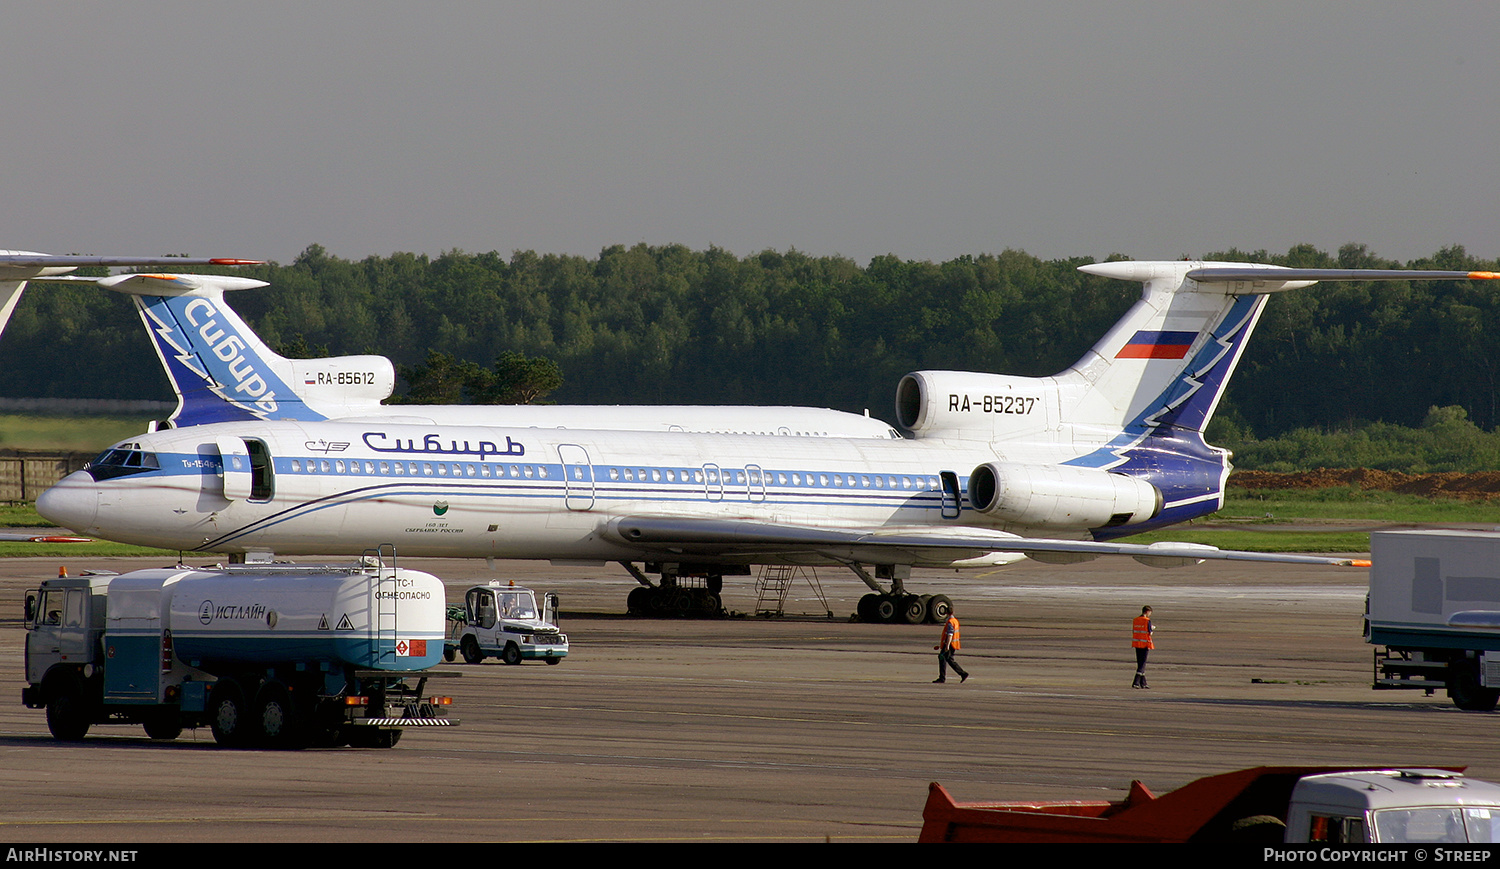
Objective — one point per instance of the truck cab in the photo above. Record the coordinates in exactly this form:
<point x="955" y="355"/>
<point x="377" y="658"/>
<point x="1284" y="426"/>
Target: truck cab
<point x="502" y="620"/>
<point x="1407" y="806"/>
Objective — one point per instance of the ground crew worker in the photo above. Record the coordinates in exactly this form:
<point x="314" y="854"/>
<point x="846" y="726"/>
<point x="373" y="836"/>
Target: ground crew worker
<point x="1141" y="630"/>
<point x="946" y="648"/>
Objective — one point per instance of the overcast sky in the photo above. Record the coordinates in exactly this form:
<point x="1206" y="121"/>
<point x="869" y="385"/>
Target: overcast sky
<point x="928" y="130"/>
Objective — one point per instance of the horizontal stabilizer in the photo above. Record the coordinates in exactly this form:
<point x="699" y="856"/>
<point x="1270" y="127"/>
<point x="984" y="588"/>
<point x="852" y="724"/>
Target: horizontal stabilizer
<point x="44" y="260"/>
<point x="1259" y="273"/>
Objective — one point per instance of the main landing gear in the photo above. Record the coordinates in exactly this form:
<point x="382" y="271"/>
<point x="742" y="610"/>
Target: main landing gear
<point x="907" y="609"/>
<point x="691" y="593"/>
<point x="898" y="606"/>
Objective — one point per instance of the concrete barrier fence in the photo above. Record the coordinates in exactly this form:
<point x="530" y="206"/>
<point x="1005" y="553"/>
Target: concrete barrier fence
<point x="25" y="474"/>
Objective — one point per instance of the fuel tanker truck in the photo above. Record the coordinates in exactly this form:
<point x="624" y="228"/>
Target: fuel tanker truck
<point x="265" y="655"/>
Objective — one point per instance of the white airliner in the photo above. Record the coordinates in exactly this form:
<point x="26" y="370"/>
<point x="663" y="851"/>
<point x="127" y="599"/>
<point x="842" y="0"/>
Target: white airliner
<point x="222" y="372"/>
<point x="1000" y="467"/>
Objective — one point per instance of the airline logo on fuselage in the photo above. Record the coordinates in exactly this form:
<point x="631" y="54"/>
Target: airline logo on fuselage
<point x="381" y="443"/>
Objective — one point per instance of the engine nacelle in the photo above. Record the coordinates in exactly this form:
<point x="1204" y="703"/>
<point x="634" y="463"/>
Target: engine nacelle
<point x="349" y="381"/>
<point x="976" y="406"/>
<point x="1061" y="496"/>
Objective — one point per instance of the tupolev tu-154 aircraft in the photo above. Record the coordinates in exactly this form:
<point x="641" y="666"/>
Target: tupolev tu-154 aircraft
<point x="1000" y="467"/>
<point x="221" y="372"/>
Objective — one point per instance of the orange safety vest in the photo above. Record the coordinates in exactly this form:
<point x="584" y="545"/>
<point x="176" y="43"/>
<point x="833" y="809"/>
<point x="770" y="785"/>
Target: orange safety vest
<point x="1140" y="633"/>
<point x="950" y="634"/>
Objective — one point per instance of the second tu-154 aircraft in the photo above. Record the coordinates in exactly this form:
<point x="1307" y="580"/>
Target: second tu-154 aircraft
<point x="999" y="468"/>
<point x="221" y="371"/>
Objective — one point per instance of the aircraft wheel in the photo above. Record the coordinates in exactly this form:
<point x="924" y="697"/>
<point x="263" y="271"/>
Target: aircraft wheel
<point x="470" y="648"/>
<point x="913" y="610"/>
<point x="638" y="602"/>
<point x="887" y="608"/>
<point x="511" y="654"/>
<point x="866" y="608"/>
<point x="939" y="608"/>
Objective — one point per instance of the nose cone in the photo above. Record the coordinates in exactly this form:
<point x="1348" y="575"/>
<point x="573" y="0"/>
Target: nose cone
<point x="72" y="503"/>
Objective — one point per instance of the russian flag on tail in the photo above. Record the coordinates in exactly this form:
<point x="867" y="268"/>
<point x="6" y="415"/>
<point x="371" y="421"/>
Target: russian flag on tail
<point x="1148" y="344"/>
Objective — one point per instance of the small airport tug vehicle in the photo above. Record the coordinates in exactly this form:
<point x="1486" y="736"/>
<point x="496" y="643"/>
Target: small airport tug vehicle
<point x="501" y="620"/>
<point x="1264" y="805"/>
<point x="277" y="656"/>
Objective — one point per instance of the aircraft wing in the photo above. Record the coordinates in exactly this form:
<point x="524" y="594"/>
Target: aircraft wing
<point x="676" y="537"/>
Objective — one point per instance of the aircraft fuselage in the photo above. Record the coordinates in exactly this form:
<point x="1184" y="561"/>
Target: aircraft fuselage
<point x="531" y="493"/>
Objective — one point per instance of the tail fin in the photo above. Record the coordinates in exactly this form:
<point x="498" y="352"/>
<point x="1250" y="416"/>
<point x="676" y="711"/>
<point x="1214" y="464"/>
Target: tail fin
<point x="222" y="371"/>
<point x="1168" y="360"/>
<point x="1164" y="365"/>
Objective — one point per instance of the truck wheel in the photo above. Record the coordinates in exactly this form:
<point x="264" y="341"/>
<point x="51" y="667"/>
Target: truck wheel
<point x="511" y="654"/>
<point x="449" y="653"/>
<point x="369" y="737"/>
<point x="1258" y="830"/>
<point x="227" y="716"/>
<point x="554" y="660"/>
<point x="164" y="725"/>
<point x="470" y="648"/>
<point x="1466" y="692"/>
<point x="276" y="717"/>
<point x="66" y="716"/>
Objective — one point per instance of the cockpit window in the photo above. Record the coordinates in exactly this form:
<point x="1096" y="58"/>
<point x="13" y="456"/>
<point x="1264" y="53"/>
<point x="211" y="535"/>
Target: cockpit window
<point x="120" y="462"/>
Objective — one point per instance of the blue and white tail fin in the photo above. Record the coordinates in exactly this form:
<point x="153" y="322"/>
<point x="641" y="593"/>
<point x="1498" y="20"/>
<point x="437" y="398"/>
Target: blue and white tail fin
<point x="1164" y="365"/>
<point x="222" y="371"/>
<point x="1165" y="362"/>
<point x="1138" y="402"/>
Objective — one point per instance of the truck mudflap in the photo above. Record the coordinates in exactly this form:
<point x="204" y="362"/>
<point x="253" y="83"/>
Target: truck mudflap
<point x="1206" y="810"/>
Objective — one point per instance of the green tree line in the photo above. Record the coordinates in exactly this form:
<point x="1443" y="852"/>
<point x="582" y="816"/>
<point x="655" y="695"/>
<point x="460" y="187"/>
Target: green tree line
<point x="666" y="324"/>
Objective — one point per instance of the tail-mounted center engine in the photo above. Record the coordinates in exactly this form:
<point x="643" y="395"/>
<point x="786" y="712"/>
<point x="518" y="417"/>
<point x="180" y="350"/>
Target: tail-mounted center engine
<point x="976" y="406"/>
<point x="1042" y="495"/>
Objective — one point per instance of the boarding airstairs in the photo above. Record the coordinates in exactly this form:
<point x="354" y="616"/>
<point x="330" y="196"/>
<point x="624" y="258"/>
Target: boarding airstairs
<point x="776" y="580"/>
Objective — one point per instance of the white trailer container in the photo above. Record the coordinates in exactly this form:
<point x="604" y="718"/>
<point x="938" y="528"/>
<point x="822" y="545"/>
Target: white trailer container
<point x="1433" y="613"/>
